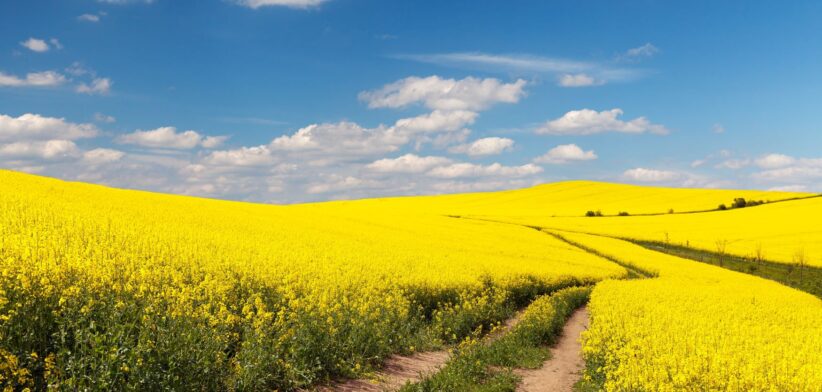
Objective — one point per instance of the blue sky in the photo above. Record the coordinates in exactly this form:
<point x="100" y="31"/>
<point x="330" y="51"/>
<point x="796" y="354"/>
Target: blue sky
<point x="303" y="100"/>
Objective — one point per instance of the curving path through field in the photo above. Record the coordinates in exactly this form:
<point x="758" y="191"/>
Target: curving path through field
<point x="564" y="369"/>
<point x="396" y="371"/>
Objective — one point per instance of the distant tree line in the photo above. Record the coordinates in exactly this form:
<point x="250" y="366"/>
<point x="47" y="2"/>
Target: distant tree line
<point x="740" y="202"/>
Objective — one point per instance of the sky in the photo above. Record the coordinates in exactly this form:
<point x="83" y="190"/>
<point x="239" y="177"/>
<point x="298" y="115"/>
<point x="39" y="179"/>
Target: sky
<point x="284" y="101"/>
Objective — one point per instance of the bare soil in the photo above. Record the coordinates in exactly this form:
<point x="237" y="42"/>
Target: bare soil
<point x="395" y="373"/>
<point x="564" y="369"/>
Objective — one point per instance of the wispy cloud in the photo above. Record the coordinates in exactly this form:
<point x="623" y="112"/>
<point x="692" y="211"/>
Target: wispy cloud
<point x="300" y="4"/>
<point x="523" y="64"/>
<point x="641" y="52"/>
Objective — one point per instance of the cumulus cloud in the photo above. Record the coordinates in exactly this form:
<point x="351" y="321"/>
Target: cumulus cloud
<point x="408" y="163"/>
<point x="343" y="138"/>
<point x="436" y="121"/>
<point x="484" y="146"/>
<point x="33" y="79"/>
<point x="445" y="94"/>
<point x="577" y="80"/>
<point x="458" y="170"/>
<point x="566" y="153"/>
<point x="35" y="45"/>
<point x="589" y="122"/>
<point x="650" y="175"/>
<point x="168" y="137"/>
<point x="243" y="156"/>
<point x="300" y="4"/>
<point x="99" y="156"/>
<point x="100" y="86"/>
<point x="36" y="127"/>
<point x="774" y="161"/>
<point x="785" y="168"/>
<point x="49" y="149"/>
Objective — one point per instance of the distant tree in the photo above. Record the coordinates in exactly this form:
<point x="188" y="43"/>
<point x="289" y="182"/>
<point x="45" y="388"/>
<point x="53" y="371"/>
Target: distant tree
<point x="800" y="260"/>
<point x="722" y="207"/>
<point x="670" y="210"/>
<point x="721" y="246"/>
<point x="599" y="212"/>
<point x="759" y="253"/>
<point x="739" y="202"/>
<point x="624" y="213"/>
<point x="590" y="214"/>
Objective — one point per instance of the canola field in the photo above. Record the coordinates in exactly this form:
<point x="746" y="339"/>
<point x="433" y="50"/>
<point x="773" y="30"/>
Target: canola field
<point x="565" y="199"/>
<point x="786" y="232"/>
<point x="698" y="327"/>
<point x="107" y="289"/>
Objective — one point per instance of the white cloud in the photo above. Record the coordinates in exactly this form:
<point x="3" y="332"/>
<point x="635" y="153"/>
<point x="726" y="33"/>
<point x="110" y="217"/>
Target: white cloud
<point x="33" y="79"/>
<point x="301" y="4"/>
<point x="484" y="146"/>
<point x="718" y="128"/>
<point x="436" y="121"/>
<point x="734" y="164"/>
<point x="408" y="163"/>
<point x="89" y="18"/>
<point x="168" y="137"/>
<point x="445" y="94"/>
<point x="36" y="127"/>
<point x="789" y="188"/>
<point x="243" y="156"/>
<point x="528" y="64"/>
<point x="213" y="141"/>
<point x="345" y="183"/>
<point x="589" y="122"/>
<point x="35" y="45"/>
<point x="774" y="161"/>
<point x="644" y="51"/>
<point x="50" y="149"/>
<point x="100" y="86"/>
<point x="791" y="174"/>
<point x="56" y="43"/>
<point x="650" y="175"/>
<point x="475" y="185"/>
<point x="458" y="170"/>
<point x="566" y="153"/>
<point x="785" y="168"/>
<point x="100" y="117"/>
<point x="446" y="139"/>
<point x="343" y="138"/>
<point x="99" y="156"/>
<point x="577" y="80"/>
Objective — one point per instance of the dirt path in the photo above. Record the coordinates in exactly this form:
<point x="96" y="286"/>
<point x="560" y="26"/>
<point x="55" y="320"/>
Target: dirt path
<point x="399" y="370"/>
<point x="395" y="373"/>
<point x="564" y="369"/>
